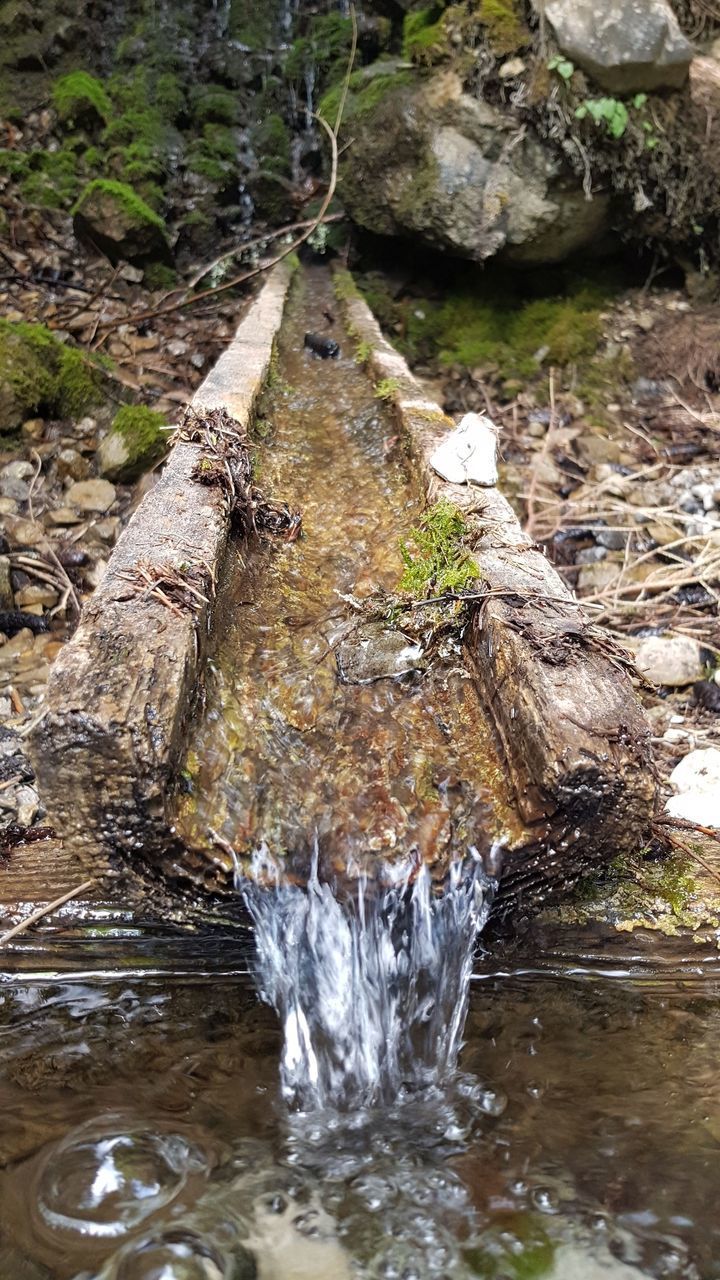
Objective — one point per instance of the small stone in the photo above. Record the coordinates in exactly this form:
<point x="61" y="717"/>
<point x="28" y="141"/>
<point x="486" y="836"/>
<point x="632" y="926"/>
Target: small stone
<point x="177" y="347"/>
<point x="91" y="495"/>
<point x="38" y="593"/>
<point x="20" y="643"/>
<point x="512" y="68"/>
<point x="71" y="465"/>
<point x="25" y="533"/>
<point x="107" y="530"/>
<point x="6" y="709"/>
<point x="536" y="429"/>
<point x="696" y="780"/>
<point x="674" y="661"/>
<point x="19" y="470"/>
<point x="6" y="591"/>
<point x="595" y="577"/>
<point x="8" y="507"/>
<point x="27" y="801"/>
<point x="645" y="320"/>
<point x="591" y="555"/>
<point x="133" y="275"/>
<point x="86" y="426"/>
<point x="64" y="515"/>
<point x="374" y="652"/>
<point x="19" y="490"/>
<point x="33" y="428"/>
<point x="95" y="574"/>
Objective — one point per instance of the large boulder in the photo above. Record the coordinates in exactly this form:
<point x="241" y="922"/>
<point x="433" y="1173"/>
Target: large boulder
<point x="432" y="162"/>
<point x="112" y="217"/>
<point x="625" y="45"/>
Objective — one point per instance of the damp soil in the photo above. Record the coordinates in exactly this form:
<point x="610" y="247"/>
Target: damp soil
<point x="142" y="1137"/>
<point x="286" y="752"/>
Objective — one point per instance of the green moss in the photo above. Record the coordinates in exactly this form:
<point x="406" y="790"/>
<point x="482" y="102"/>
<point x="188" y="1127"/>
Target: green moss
<point x="129" y="201"/>
<point x="324" y="49"/>
<point x="51" y="179"/>
<point x="422" y="31"/>
<point x="271" y="142"/>
<point x="345" y="286"/>
<point x="143" y="436"/>
<point x="505" y="29"/>
<point x="518" y="1249"/>
<point x="79" y="95"/>
<point x="513" y="337"/>
<point x="363" y="351"/>
<point x="43" y="374"/>
<point x="214" y="103"/>
<point x="251" y="24"/>
<point x="437" y="562"/>
<point x="159" y="276"/>
<point x="364" y="94"/>
<point x="169" y="96"/>
<point x="385" y="389"/>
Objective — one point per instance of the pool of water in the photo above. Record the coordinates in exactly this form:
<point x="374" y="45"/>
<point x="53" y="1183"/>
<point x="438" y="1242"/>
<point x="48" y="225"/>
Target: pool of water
<point x="143" y="1137"/>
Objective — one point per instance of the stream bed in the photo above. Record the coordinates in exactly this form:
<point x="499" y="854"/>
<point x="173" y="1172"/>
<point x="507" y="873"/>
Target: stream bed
<point x="143" y="1138"/>
<point x="287" y="755"/>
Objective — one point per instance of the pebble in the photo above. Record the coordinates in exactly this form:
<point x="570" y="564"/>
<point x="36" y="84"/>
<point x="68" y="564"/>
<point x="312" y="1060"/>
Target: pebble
<point x="674" y="661"/>
<point x="27" y="801"/>
<point x="71" y="464"/>
<point x="25" y="533"/>
<point x="18" y="470"/>
<point x="512" y="68"/>
<point x="64" y="515"/>
<point x="8" y="507"/>
<point x="38" y="593"/>
<point x="6" y="591"/>
<point x="33" y="428"/>
<point x="19" y="490"/>
<point x="91" y="495"/>
<point x="108" y="529"/>
<point x="86" y="426"/>
<point x="696" y="780"/>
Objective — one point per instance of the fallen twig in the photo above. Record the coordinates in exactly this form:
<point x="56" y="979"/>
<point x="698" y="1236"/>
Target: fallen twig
<point x="42" y="912"/>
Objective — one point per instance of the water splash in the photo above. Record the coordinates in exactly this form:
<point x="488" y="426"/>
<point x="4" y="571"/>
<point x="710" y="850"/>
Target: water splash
<point x="371" y="987"/>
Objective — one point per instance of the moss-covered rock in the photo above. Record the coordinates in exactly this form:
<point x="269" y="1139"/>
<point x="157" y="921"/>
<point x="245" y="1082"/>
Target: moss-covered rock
<point x="112" y="217"/>
<point x="80" y="97"/>
<point x="137" y="439"/>
<point x="40" y="374"/>
<point x="433" y="162"/>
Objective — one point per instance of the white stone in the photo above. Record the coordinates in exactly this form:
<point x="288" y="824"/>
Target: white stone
<point x="696" y="780"/>
<point x="674" y="661"/>
<point x="468" y="455"/>
<point x="625" y="45"/>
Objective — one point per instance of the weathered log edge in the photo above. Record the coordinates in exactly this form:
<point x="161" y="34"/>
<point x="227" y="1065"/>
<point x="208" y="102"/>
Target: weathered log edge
<point x="109" y="746"/>
<point x="568" y="725"/>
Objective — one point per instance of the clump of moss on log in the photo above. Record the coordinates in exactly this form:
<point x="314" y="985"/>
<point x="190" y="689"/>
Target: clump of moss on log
<point x="435" y="557"/>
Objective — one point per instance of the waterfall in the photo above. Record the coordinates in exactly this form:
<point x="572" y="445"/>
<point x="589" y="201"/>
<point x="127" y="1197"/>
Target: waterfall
<point x="371" y="984"/>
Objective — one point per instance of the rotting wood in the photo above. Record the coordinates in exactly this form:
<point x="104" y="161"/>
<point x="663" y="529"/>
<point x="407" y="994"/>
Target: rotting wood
<point x="108" y="748"/>
<point x="572" y="733"/>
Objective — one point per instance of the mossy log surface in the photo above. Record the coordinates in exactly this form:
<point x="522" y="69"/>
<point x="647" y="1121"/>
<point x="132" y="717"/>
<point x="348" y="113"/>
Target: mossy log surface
<point x="573" y="736"/>
<point x="108" y="749"/>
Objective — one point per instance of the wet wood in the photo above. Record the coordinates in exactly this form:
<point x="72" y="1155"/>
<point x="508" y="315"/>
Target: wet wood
<point x="572" y="734"/>
<point x="108" y="749"/>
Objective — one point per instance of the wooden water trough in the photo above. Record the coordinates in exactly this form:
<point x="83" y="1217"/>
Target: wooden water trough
<point x="109" y="748"/>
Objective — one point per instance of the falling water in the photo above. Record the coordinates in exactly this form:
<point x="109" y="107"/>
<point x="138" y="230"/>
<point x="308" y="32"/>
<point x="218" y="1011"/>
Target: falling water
<point x="371" y="987"/>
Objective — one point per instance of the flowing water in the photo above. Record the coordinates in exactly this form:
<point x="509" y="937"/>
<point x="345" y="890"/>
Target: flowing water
<point x="142" y="1138"/>
<point x="286" y="755"/>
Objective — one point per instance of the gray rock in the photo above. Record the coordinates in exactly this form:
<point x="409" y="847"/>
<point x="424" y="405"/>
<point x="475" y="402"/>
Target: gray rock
<point x="674" y="661"/>
<point x="625" y="45"/>
<point x="375" y="652"/>
<point x="433" y="162"/>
